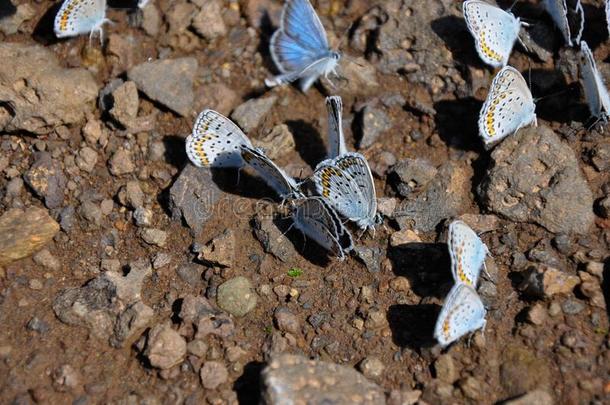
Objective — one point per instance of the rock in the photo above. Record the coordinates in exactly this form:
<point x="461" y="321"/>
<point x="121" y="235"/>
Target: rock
<point x="9" y="24"/>
<point x="208" y="22"/>
<point x="272" y="238"/>
<point x="190" y="274"/>
<point x="165" y="347"/>
<point x="125" y="104"/>
<point x="405" y="238"/>
<point x="316" y="382"/>
<point x="216" y="96"/>
<point x="42" y="95"/>
<point x="404" y="397"/>
<point x="37" y="325"/>
<point x="600" y="156"/>
<point x="236" y="296"/>
<point x="169" y="82"/>
<point x="249" y="114"/>
<point x="445" y="196"/>
<point x="386" y="206"/>
<point x="277" y="142"/>
<point x="603" y="206"/>
<point x="536" y="178"/>
<point x="400" y="284"/>
<point x="47" y="179"/>
<point x="374" y="123"/>
<point x="537" y="314"/>
<point x="370" y="256"/>
<point x="23" y="232"/>
<point x="213" y="374"/>
<point x="412" y="175"/>
<point x="286" y="321"/>
<point x="445" y="369"/>
<point x="66" y="378"/>
<point x="544" y="281"/>
<point x="206" y="319"/>
<point x="120" y="163"/>
<point x="45" y="259"/>
<point x="143" y="216"/>
<point x="110" y="305"/>
<point x="66" y="218"/>
<point x="92" y="131"/>
<point x="522" y="371"/>
<point x="376" y="320"/>
<point x="14" y="187"/>
<point x="86" y="159"/>
<point x="220" y="251"/>
<point x="192" y="197"/>
<point x="590" y="287"/>
<point x="356" y="76"/>
<point x="151" y="19"/>
<point x="197" y="347"/>
<point x="471" y="387"/>
<point x="261" y="13"/>
<point x="437" y="392"/>
<point x="572" y="306"/>
<point x="91" y="212"/>
<point x="153" y="236"/>
<point x="161" y="260"/>
<point x="538" y="397"/>
<point x="131" y="194"/>
<point x="481" y="223"/>
<point x="372" y="368"/>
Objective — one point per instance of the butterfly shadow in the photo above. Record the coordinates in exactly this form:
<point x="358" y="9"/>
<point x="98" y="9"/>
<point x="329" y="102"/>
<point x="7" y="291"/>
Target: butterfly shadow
<point x="43" y="31"/>
<point x="247" y="386"/>
<point x="557" y="101"/>
<point x="308" y="142"/>
<point x="412" y="326"/>
<point x="596" y="27"/>
<point x="457" y="123"/>
<point x="426" y="265"/>
<point x="454" y="32"/>
<point x="7" y="8"/>
<point x="304" y="246"/>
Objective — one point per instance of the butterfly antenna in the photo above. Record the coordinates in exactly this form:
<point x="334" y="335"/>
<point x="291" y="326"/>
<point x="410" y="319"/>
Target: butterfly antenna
<point x="511" y="6"/>
<point x="551" y="95"/>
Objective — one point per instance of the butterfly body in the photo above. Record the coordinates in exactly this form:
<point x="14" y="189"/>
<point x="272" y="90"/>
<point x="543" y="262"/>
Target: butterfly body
<point x="76" y="17"/>
<point x="299" y="48"/>
<point x="494" y="30"/>
<point x="216" y="141"/>
<point x="273" y="175"/>
<point x="467" y="253"/>
<point x="462" y="313"/>
<point x="509" y="106"/>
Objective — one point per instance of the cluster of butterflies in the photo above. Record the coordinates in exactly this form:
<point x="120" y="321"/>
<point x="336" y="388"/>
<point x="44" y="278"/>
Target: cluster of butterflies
<point x="463" y="311"/>
<point x="509" y="105"/>
<point x="341" y="186"/>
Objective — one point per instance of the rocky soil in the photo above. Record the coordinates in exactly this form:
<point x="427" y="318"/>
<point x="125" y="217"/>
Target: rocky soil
<point x="129" y="276"/>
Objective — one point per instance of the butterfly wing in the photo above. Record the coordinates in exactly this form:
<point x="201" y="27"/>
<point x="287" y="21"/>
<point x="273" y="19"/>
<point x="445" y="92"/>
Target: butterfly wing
<point x="77" y="17"/>
<point x="216" y="141"/>
<point x="558" y="11"/>
<point x="336" y="139"/>
<point x="271" y="173"/>
<point x="577" y="26"/>
<point x="315" y="220"/>
<point x="462" y="313"/>
<point x="494" y="30"/>
<point x="596" y="92"/>
<point x="346" y="184"/>
<point x="301" y="23"/>
<point x="608" y="14"/>
<point x="467" y="253"/>
<point x="508" y="107"/>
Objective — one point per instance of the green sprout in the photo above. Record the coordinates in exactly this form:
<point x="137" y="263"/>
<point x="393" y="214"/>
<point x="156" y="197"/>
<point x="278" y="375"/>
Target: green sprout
<point x="295" y="272"/>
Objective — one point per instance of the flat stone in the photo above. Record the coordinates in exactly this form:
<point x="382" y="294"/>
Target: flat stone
<point x="236" y="296"/>
<point x="165" y="347"/>
<point x="220" y="251"/>
<point x="249" y="114"/>
<point x="47" y="179"/>
<point x="23" y="232"/>
<point x="538" y="397"/>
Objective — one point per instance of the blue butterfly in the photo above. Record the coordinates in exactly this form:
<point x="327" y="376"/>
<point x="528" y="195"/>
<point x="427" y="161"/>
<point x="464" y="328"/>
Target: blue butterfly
<point x="299" y="48"/>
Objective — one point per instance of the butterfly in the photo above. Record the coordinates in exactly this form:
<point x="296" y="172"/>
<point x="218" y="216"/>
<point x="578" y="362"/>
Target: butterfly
<point x="608" y="14"/>
<point x="467" y="252"/>
<point x="596" y="92"/>
<point x="216" y="141"/>
<point x="318" y="221"/>
<point x="463" y="312"/>
<point x="571" y="22"/>
<point x="271" y="173"/>
<point x="508" y="107"/>
<point x="336" y="139"/>
<point x="77" y="17"/>
<point x="494" y="30"/>
<point x="346" y="184"/>
<point x="299" y="48"/>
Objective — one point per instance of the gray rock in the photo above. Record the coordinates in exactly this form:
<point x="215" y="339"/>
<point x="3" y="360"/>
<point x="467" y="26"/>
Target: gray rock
<point x="10" y="22"/>
<point x="536" y="178"/>
<point x="42" y="95"/>
<point x="220" y="251"/>
<point x="298" y="379"/>
<point x="374" y="123"/>
<point x="120" y="163"/>
<point x="600" y="156"/>
<point x="91" y="212"/>
<point x="47" y="179"/>
<point x="236" y="296"/>
<point x="14" y="187"/>
<point x="277" y="142"/>
<point x="143" y="216"/>
<point x="193" y="196"/>
<point x="154" y="236"/>
<point x="603" y="207"/>
<point x="161" y="260"/>
<point x="356" y="76"/>
<point x="38" y="325"/>
<point x="66" y="378"/>
<point x="572" y="306"/>
<point x="249" y="114"/>
<point x="372" y="367"/>
<point x="190" y="274"/>
<point x="412" y="175"/>
<point x="370" y="256"/>
<point x="169" y="82"/>
<point x="205" y="318"/>
<point x="86" y="159"/>
<point x="151" y="19"/>
<point x="24" y="232"/>
<point x="165" y="347"/>
<point x="213" y="374"/>
<point x="538" y="397"/>
<point x="446" y="196"/>
<point x="272" y="238"/>
<point x="110" y="305"/>
<point x="131" y="194"/>
<point x="66" y="218"/>
<point x="286" y="321"/>
<point x="209" y="22"/>
<point x="45" y="259"/>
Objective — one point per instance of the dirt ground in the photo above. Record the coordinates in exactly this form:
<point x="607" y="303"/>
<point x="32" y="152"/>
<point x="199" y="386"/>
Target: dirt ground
<point x="100" y="313"/>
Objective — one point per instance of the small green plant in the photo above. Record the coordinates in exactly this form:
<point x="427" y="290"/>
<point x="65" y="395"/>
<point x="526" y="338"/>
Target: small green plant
<point x="268" y="329"/>
<point x="295" y="272"/>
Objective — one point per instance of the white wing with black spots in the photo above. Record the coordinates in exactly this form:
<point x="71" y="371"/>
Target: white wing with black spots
<point x="462" y="313"/>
